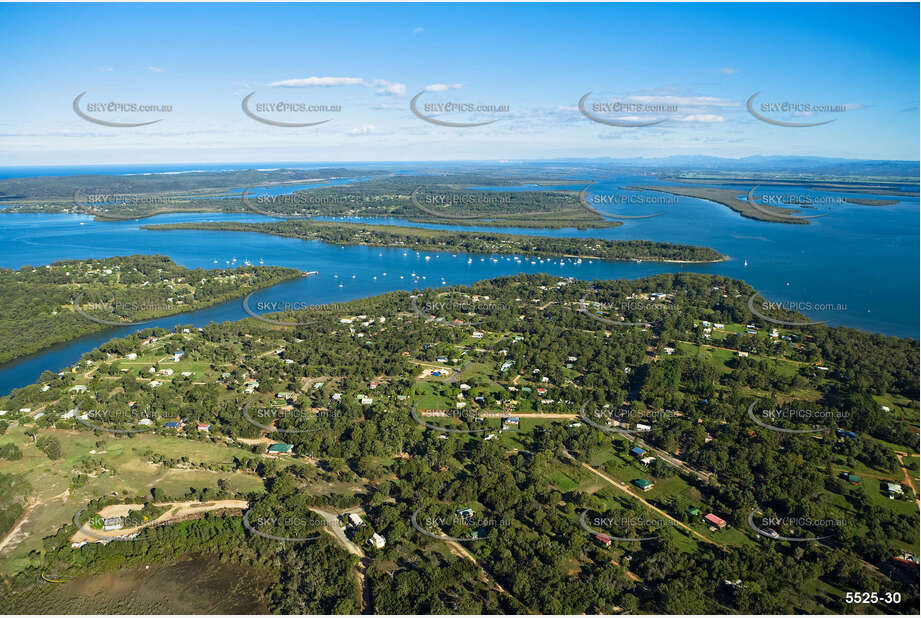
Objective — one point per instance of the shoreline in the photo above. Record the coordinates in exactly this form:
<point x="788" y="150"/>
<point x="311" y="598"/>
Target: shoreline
<point x="422" y="233"/>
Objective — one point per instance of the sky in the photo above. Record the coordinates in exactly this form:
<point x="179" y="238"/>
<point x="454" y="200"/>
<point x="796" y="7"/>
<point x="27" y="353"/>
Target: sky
<point x="689" y="68"/>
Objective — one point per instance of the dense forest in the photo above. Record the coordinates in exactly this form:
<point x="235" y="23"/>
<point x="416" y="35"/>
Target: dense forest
<point x="526" y="552"/>
<point x="421" y="239"/>
<point x="51" y="304"/>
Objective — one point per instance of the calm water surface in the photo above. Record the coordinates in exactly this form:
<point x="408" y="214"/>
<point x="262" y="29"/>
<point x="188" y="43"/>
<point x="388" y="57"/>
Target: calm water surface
<point x="862" y="258"/>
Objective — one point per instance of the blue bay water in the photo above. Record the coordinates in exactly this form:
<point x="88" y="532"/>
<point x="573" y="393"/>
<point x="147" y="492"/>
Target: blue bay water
<point x="859" y="257"/>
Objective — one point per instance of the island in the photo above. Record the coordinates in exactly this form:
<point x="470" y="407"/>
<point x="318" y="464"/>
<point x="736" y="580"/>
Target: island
<point x="423" y="239"/>
<point x="59" y="302"/>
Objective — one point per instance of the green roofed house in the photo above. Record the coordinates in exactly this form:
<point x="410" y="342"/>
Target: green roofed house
<point x="853" y="478"/>
<point x="281" y="447"/>
<point x="693" y="511"/>
<point x="644" y="484"/>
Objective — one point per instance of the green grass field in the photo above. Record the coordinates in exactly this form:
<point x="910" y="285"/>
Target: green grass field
<point x="128" y="472"/>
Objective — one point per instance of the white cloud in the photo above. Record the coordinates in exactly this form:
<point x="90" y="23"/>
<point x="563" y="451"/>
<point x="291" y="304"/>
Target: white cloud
<point x="682" y="101"/>
<point x="381" y="86"/>
<point x="703" y="118"/>
<point x="155" y="69"/>
<point x="319" y="82"/>
<point x="728" y="71"/>
<point x="418" y="29"/>
<point x="365" y="129"/>
<point x="441" y="87"/>
<point x="389" y="88"/>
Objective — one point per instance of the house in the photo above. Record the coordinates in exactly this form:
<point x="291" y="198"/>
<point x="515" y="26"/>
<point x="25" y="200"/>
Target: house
<point x="337" y="396"/>
<point x="644" y="484"/>
<point x="906" y="560"/>
<point x="112" y="523"/>
<point x="131" y="356"/>
<point x="693" y="511"/>
<point x="204" y="426"/>
<point x="166" y="372"/>
<point x="743" y="354"/>
<point x="442" y="359"/>
<point x="642" y="427"/>
<point x="186" y="374"/>
<point x="637" y="451"/>
<point x="366" y="401"/>
<point x="145" y="422"/>
<point x="155" y="383"/>
<point x="284" y="395"/>
<point x="894" y="489"/>
<point x="280" y="447"/>
<point x="377" y="541"/>
<point x="477" y="334"/>
<point x="355" y="520"/>
<point x="647" y="461"/>
<point x="505" y="366"/>
<point x="512" y="420"/>
<point x="715" y="521"/>
<point x="465" y="387"/>
<point x="79" y="388"/>
<point x="845" y="434"/>
<point x="465" y="512"/>
<point x="172" y="425"/>
<point x="320" y="385"/>
<point x="541" y="391"/>
<point x="603" y="539"/>
<point x="852" y="478"/>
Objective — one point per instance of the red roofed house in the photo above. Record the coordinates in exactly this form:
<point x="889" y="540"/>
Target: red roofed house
<point x="603" y="539"/>
<point x="713" y="520"/>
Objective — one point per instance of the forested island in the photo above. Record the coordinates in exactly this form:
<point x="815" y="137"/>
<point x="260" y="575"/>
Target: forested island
<point x="590" y="446"/>
<point x="62" y="301"/>
<point x="422" y="239"/>
<point x="432" y="198"/>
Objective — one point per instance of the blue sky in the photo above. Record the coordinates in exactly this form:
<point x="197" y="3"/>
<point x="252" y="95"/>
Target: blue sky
<point x="695" y="64"/>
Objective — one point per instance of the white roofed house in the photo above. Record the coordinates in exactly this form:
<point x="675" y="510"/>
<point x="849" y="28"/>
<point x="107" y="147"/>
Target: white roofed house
<point x="377" y="541"/>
